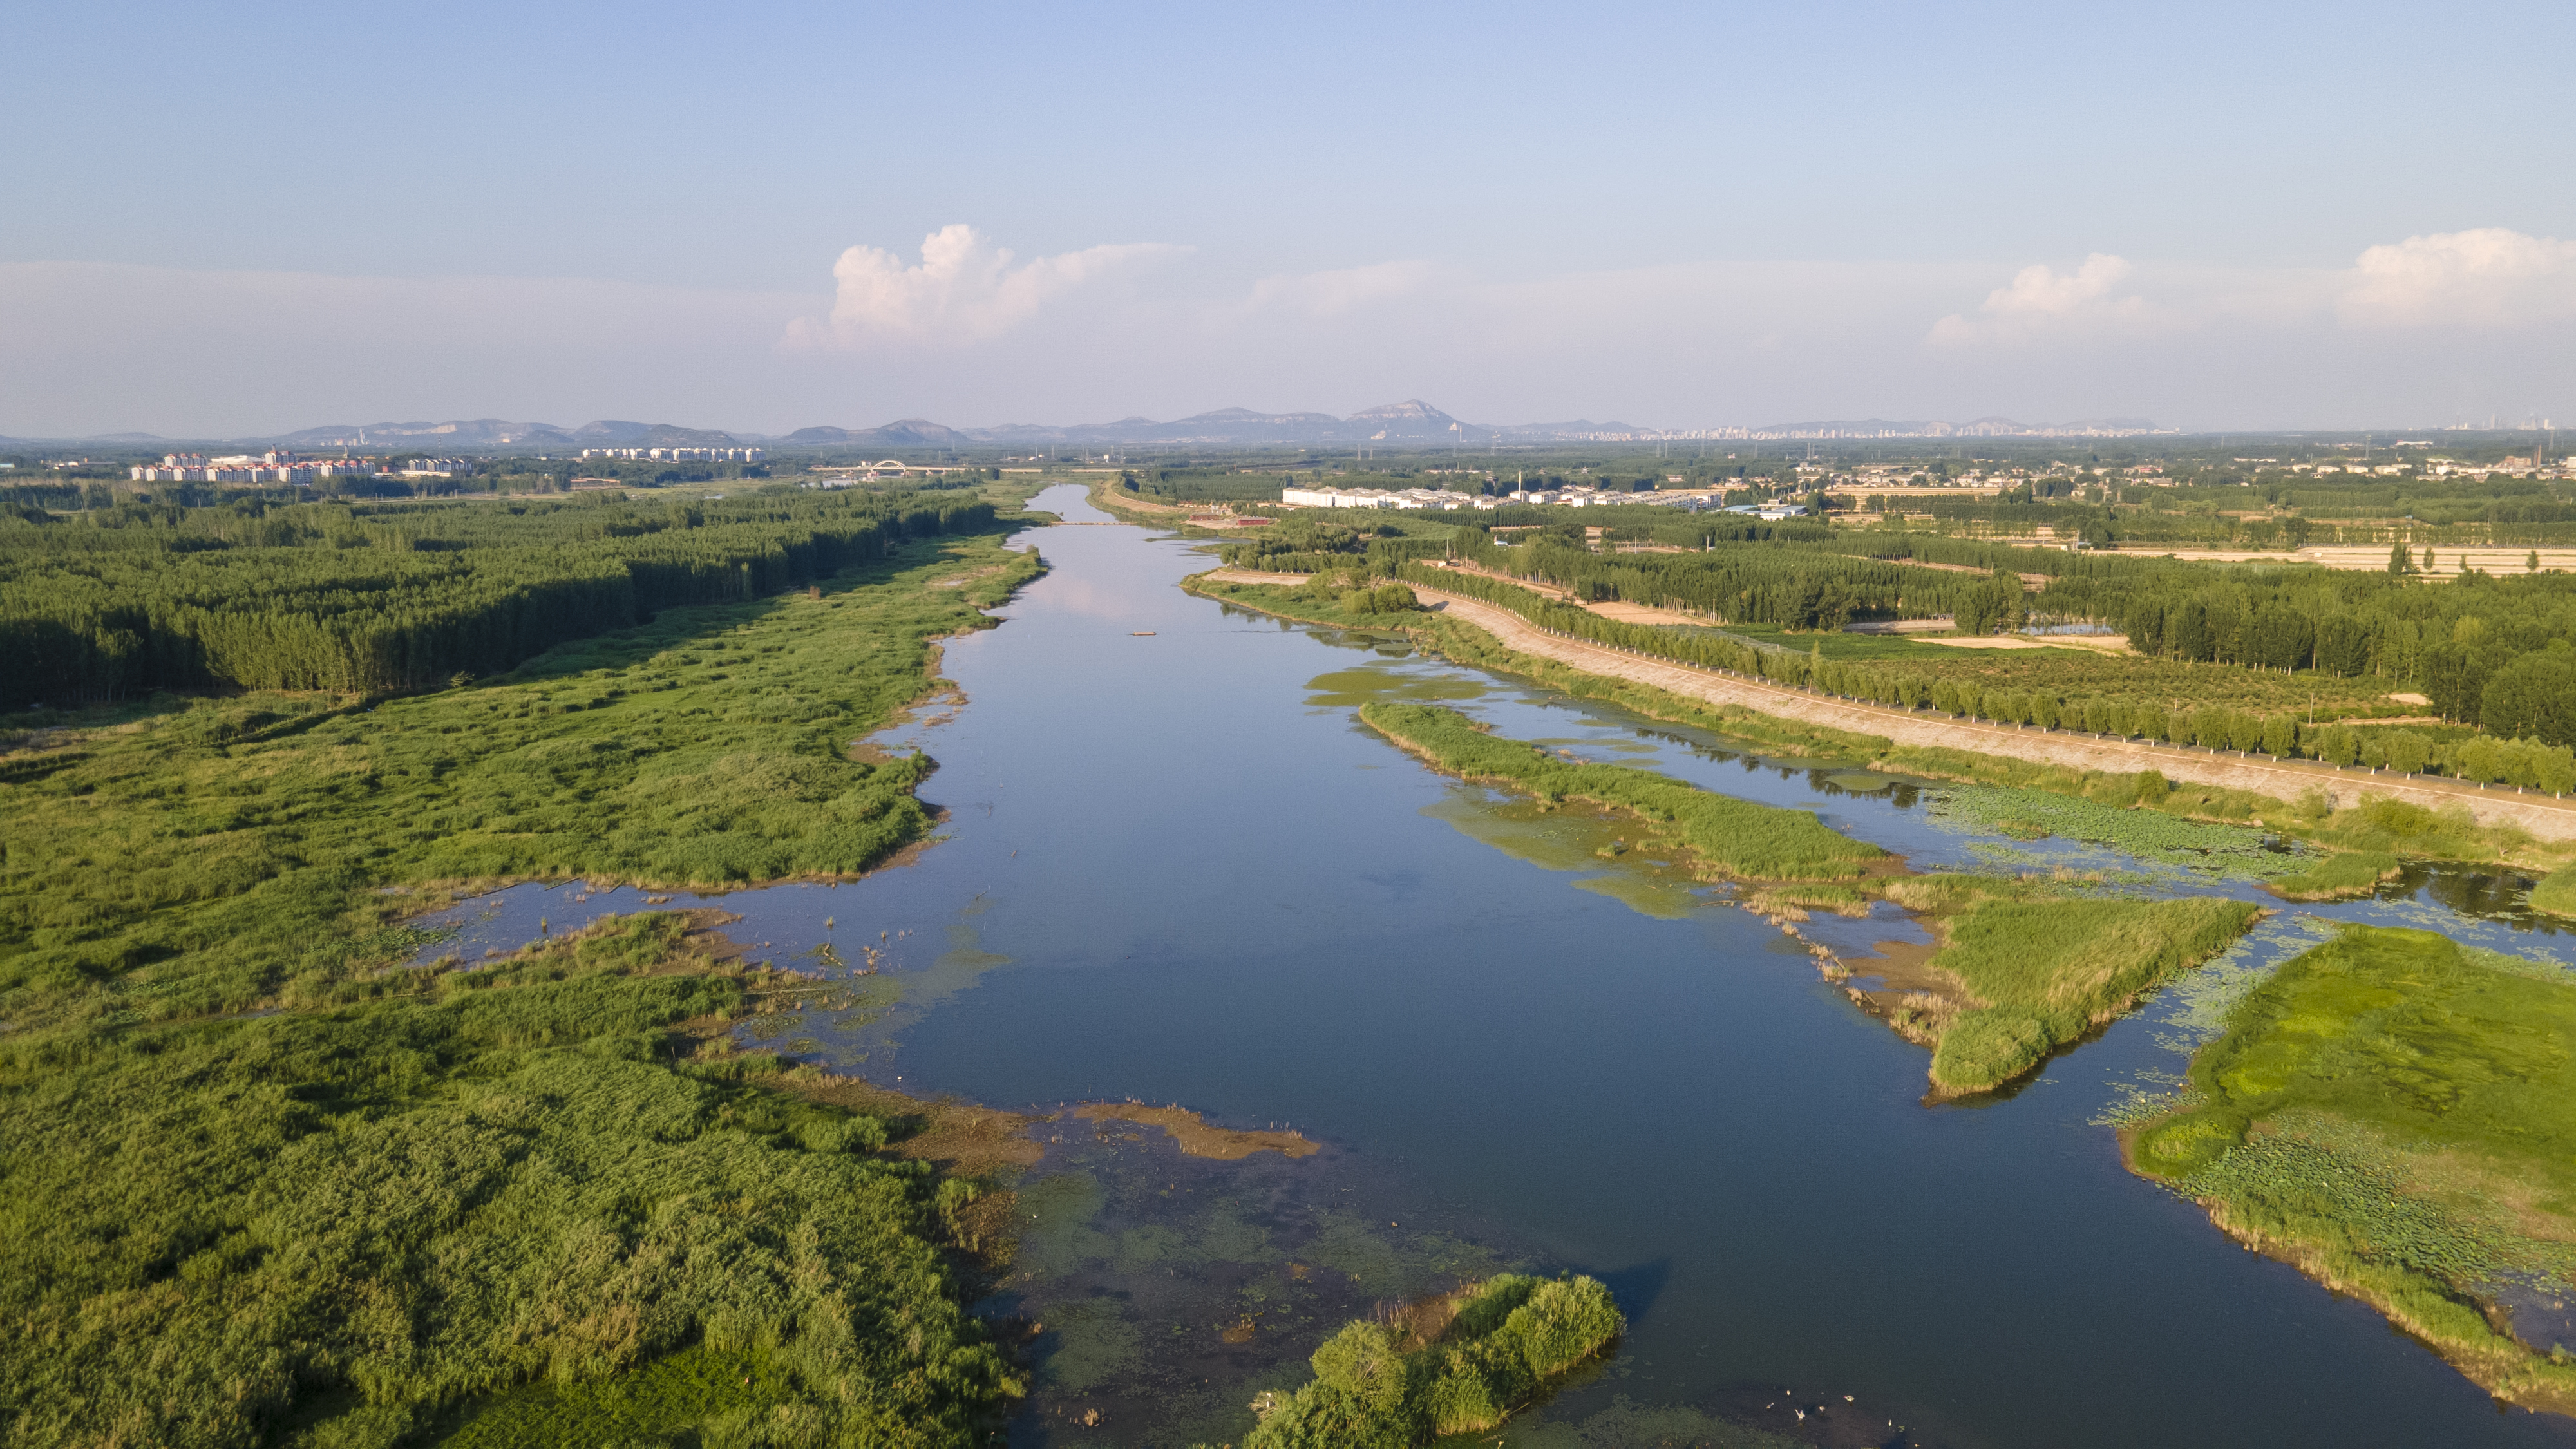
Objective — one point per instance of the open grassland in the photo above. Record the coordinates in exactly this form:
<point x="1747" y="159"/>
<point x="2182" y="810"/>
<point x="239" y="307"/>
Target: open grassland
<point x="1729" y="837"/>
<point x="1457" y="1364"/>
<point x="2034" y="971"/>
<point x="2390" y="1112"/>
<point x="264" y="1184"/>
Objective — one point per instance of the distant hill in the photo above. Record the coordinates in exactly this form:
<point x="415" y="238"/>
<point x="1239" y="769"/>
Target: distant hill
<point x="903" y="433"/>
<point x="471" y="433"/>
<point x="1985" y="427"/>
<point x="502" y="433"/>
<point x="1410" y="423"/>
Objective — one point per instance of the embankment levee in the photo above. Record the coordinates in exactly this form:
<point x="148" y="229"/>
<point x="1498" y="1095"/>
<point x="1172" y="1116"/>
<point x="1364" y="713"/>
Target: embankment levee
<point x="2543" y="816"/>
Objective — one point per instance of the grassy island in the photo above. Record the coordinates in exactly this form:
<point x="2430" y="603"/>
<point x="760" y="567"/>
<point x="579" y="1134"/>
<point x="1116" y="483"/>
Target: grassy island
<point x="2390" y="1112"/>
<point x="1457" y="1364"/>
<point x="265" y="1182"/>
<point x="1729" y="837"/>
<point x="2021" y="972"/>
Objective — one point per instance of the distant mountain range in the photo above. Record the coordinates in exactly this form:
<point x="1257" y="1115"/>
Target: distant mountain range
<point x="1986" y="427"/>
<point x="1411" y="423"/>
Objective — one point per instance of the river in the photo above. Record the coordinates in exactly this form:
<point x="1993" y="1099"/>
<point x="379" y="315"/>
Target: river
<point x="1177" y="870"/>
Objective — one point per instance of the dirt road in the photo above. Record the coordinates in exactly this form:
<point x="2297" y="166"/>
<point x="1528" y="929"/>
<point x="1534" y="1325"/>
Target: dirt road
<point x="2540" y="814"/>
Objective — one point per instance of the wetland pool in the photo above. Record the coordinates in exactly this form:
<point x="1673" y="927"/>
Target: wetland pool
<point x="1176" y="869"/>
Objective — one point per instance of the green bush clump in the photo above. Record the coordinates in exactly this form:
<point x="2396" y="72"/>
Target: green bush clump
<point x="1384" y="599"/>
<point x="1736" y="836"/>
<point x="1394" y="1385"/>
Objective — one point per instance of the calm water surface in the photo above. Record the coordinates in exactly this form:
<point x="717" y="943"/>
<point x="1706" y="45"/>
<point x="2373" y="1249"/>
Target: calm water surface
<point x="1177" y="870"/>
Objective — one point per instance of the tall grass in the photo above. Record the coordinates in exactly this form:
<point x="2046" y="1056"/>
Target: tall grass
<point x="1736" y="837"/>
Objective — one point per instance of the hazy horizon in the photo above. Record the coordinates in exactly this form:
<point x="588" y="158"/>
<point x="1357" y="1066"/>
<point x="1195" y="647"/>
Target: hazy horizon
<point x="766" y="219"/>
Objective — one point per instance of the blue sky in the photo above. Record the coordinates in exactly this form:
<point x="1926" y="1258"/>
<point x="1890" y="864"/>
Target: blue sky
<point x="256" y="217"/>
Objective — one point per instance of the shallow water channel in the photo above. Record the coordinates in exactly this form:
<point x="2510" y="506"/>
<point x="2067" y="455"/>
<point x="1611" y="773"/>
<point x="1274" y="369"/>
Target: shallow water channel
<point x="1177" y="870"/>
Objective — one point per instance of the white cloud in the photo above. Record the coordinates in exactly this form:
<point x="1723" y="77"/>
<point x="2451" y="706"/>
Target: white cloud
<point x="2041" y="301"/>
<point x="2487" y="277"/>
<point x="1332" y="293"/>
<point x="965" y="289"/>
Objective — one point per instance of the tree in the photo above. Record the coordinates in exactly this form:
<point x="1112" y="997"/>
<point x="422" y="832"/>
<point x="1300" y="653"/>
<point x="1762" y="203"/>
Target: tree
<point x="2534" y="697"/>
<point x="2408" y="751"/>
<point x="2399" y="561"/>
<point x="2280" y="735"/>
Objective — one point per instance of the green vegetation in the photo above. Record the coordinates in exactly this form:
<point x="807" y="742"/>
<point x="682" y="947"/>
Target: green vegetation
<point x="1730" y="836"/>
<point x="270" y="1185"/>
<point x="2389" y="1112"/>
<point x="359" y="1220"/>
<point x="2556" y="893"/>
<point x="1453" y="1365"/>
<point x="2035" y="973"/>
<point x="1204" y="485"/>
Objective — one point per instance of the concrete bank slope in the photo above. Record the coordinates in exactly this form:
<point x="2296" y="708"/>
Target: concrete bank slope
<point x="2543" y="816"/>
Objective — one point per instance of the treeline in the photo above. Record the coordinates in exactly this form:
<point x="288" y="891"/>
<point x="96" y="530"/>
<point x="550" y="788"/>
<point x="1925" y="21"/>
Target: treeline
<point x="2537" y="760"/>
<point x="374" y="598"/>
<point x="1204" y="485"/>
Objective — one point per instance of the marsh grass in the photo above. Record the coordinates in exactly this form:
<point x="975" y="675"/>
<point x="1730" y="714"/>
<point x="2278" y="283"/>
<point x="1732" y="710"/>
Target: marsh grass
<point x="2035" y="970"/>
<point x="1728" y="836"/>
<point x="2338" y="877"/>
<point x="2389" y="1111"/>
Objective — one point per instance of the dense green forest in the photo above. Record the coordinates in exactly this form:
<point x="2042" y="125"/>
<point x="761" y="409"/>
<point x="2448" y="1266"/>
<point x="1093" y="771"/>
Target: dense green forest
<point x="369" y="597"/>
<point x="268" y="1182"/>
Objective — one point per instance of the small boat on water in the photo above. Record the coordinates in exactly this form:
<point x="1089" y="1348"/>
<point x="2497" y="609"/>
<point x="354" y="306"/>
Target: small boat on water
<point x="1140" y="633"/>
